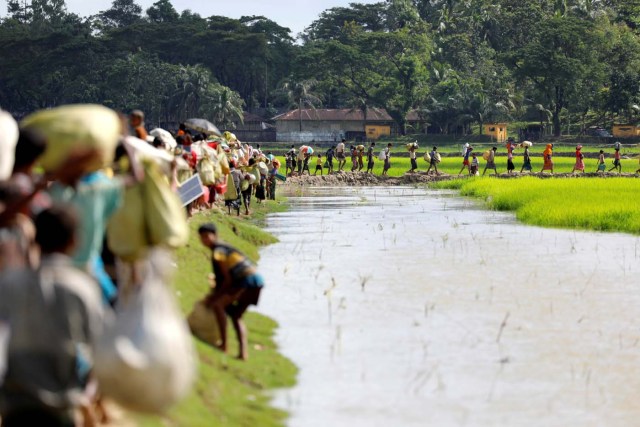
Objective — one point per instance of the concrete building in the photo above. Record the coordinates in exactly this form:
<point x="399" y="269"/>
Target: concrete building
<point x="497" y="131"/>
<point x="625" y="131"/>
<point x="331" y="125"/>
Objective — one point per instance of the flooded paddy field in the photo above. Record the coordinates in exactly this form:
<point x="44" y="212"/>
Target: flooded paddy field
<point x="412" y="307"/>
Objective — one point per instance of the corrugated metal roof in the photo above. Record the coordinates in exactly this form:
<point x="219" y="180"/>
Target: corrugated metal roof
<point x="340" y="115"/>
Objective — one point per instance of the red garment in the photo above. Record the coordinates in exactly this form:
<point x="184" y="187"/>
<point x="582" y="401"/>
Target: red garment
<point x="579" y="162"/>
<point x="191" y="158"/>
<point x="205" y="198"/>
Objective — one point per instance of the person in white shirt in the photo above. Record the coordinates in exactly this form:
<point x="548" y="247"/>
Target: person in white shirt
<point x="412" y="157"/>
<point x="340" y="155"/>
<point x="387" y="160"/>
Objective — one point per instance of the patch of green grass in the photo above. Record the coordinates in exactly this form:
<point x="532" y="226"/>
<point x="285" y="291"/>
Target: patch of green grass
<point x="229" y="392"/>
<point x="590" y="203"/>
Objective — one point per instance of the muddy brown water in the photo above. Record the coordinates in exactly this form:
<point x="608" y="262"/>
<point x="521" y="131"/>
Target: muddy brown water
<point x="408" y="307"/>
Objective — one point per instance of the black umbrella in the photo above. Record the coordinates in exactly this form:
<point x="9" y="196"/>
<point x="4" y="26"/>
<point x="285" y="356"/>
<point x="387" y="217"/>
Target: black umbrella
<point x="204" y="126"/>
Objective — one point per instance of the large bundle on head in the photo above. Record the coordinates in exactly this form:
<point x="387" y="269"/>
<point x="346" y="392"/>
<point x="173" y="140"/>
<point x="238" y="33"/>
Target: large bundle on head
<point x="138" y="150"/>
<point x="262" y="167"/>
<point x="8" y="140"/>
<point x="166" y="138"/>
<point x="526" y="144"/>
<point x="73" y="127"/>
<point x="412" y="145"/>
<point x="360" y="147"/>
<point x="231" y="138"/>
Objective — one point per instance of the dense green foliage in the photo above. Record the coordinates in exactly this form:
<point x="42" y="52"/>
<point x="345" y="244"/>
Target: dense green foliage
<point x="459" y="64"/>
<point x="587" y="203"/>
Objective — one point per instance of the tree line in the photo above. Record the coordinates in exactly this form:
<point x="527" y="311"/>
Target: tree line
<point x="458" y="63"/>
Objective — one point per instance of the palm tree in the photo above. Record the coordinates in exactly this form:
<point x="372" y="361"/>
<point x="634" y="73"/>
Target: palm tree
<point x="224" y="105"/>
<point x="483" y="108"/>
<point x="361" y="104"/>
<point x="300" y="93"/>
<point x="192" y="87"/>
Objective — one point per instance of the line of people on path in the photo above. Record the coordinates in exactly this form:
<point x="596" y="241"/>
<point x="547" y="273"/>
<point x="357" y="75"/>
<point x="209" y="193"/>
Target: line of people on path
<point x="490" y="158"/>
<point x="297" y="161"/>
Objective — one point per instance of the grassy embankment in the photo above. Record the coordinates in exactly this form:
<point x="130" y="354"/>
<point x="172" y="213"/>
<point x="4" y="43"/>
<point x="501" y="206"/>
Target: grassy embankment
<point x="229" y="392"/>
<point x="592" y="204"/>
<point x="452" y="165"/>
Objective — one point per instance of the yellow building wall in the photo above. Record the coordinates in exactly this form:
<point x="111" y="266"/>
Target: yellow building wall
<point x="375" y="131"/>
<point x="497" y="131"/>
<point x="625" y="131"/>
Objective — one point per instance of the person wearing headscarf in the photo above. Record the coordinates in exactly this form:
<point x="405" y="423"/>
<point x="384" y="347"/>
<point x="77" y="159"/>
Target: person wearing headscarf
<point x="548" y="159"/>
<point x="579" y="166"/>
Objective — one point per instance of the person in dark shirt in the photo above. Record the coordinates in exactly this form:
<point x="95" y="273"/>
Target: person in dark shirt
<point x="238" y="285"/>
<point x="331" y="152"/>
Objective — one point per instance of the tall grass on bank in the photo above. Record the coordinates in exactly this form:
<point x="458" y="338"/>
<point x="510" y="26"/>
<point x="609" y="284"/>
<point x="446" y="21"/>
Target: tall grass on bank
<point x="590" y="203"/>
<point x="229" y="392"/>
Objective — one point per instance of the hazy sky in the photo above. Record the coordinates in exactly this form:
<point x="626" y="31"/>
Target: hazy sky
<point x="295" y="14"/>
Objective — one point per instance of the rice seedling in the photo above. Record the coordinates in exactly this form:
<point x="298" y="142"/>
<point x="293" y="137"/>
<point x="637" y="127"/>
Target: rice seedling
<point x="593" y="204"/>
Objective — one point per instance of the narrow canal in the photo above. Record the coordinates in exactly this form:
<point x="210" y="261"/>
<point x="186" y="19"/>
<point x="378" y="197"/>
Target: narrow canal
<point x="409" y="307"/>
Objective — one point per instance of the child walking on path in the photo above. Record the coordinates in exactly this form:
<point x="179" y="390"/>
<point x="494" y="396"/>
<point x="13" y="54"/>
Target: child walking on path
<point x="601" y="166"/>
<point x="318" y="165"/>
<point x="473" y="170"/>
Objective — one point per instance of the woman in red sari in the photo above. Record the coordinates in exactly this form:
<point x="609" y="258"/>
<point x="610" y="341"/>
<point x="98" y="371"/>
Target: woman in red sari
<point x="579" y="166"/>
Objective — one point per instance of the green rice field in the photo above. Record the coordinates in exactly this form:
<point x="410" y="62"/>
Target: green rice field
<point x="591" y="203"/>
